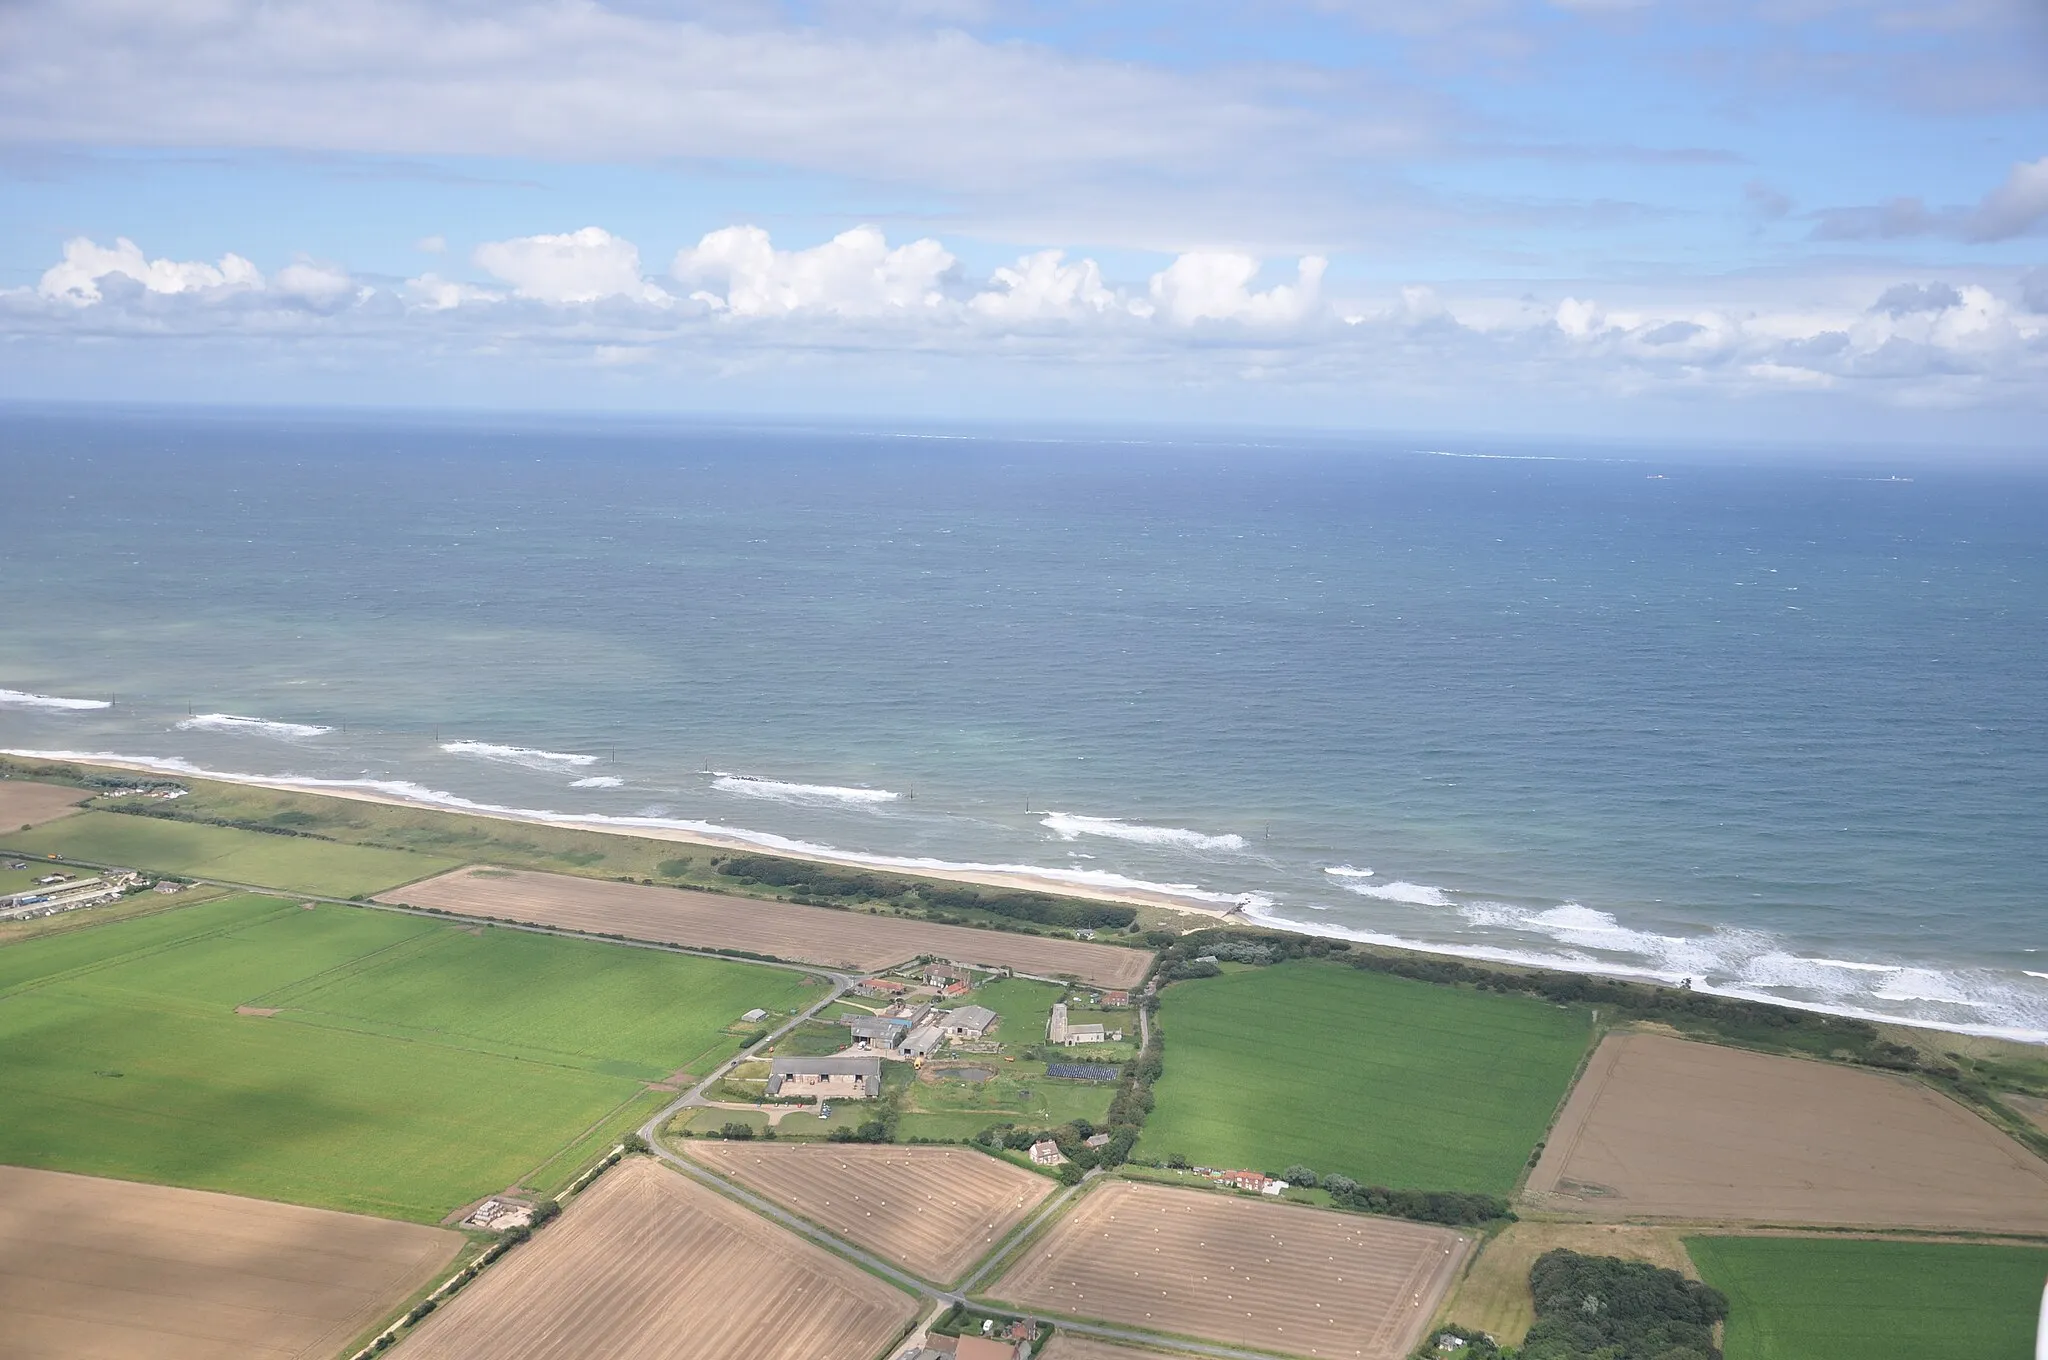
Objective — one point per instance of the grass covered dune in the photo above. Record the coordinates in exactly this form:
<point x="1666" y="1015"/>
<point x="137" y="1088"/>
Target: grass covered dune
<point x="408" y="1065"/>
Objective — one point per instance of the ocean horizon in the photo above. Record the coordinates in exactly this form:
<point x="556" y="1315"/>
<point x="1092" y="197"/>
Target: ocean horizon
<point x="1775" y="730"/>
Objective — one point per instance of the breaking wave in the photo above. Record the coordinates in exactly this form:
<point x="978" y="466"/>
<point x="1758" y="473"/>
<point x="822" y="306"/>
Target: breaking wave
<point x="23" y="699"/>
<point x="234" y="722"/>
<point x="784" y="791"/>
<point x="1069" y="826"/>
<point x="597" y="781"/>
<point x="1346" y="871"/>
<point x="517" y="755"/>
<point x="1414" y="894"/>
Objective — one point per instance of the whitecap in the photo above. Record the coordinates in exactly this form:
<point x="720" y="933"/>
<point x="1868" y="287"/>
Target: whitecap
<point x="234" y="722"/>
<point x="23" y="699"/>
<point x="1071" y="826"/>
<point x="1414" y="894"/>
<point x="517" y="755"/>
<point x="597" y="781"/>
<point x="785" y="791"/>
<point x="1347" y="871"/>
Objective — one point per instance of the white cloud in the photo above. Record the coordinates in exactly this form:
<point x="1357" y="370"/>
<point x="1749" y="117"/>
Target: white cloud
<point x="2018" y="206"/>
<point x="436" y="294"/>
<point x="1216" y="286"/>
<point x="853" y="274"/>
<point x="576" y="266"/>
<point x="86" y="264"/>
<point x="318" y="285"/>
<point x="1041" y="286"/>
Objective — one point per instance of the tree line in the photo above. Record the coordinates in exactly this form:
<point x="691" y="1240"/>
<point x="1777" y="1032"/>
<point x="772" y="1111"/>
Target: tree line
<point x="831" y="882"/>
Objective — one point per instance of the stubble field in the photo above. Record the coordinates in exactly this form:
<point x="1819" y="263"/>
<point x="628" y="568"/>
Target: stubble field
<point x="648" y="1265"/>
<point x="1665" y="1128"/>
<point x="835" y="939"/>
<point x="1494" y="1296"/>
<point x="106" y="1270"/>
<point x="933" y="1210"/>
<point x="1240" y="1271"/>
<point x="1070" y="1346"/>
<point x="24" y="803"/>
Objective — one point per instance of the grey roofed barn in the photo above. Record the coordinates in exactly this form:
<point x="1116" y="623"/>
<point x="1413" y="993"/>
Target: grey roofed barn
<point x="866" y="1071"/>
<point x="970" y="1020"/>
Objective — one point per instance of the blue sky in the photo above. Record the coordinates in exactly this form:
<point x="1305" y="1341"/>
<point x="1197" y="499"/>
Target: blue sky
<point x="1796" y="219"/>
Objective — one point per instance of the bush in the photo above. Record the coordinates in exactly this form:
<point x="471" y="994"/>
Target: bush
<point x="1302" y="1176"/>
<point x="736" y="1130"/>
<point x="1339" y="1186"/>
<point x="546" y="1212"/>
<point x="633" y="1142"/>
<point x="821" y="882"/>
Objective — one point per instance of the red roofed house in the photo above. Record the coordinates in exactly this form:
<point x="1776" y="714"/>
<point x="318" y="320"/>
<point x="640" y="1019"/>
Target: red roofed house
<point x="1244" y="1180"/>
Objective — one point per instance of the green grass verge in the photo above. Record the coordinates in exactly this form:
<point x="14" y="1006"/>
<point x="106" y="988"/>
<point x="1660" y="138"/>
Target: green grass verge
<point x="184" y="849"/>
<point x="1388" y="1081"/>
<point x="1796" y="1298"/>
<point x="413" y="1066"/>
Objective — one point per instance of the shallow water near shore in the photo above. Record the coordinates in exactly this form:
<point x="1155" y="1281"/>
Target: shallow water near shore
<point x="1778" y="731"/>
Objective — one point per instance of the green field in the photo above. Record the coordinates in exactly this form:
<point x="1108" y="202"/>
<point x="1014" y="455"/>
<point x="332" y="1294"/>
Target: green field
<point x="1388" y="1081"/>
<point x="189" y="850"/>
<point x="1795" y="1298"/>
<point x="413" y="1066"/>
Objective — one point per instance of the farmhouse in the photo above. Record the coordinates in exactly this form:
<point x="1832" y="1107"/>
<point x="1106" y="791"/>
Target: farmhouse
<point x="1114" y="1000"/>
<point x="1059" y="1031"/>
<point x="825" y="1078"/>
<point x="1244" y="1180"/>
<point x="1045" y="1152"/>
<point x="970" y="1022"/>
<point x="881" y="986"/>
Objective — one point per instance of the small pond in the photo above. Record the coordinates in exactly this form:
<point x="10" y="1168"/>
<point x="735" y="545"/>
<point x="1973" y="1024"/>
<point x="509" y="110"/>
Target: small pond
<point x="977" y="1075"/>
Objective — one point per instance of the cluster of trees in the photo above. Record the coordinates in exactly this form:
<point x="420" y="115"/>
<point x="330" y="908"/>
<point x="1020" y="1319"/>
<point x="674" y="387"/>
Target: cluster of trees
<point x="1600" y="1308"/>
<point x="878" y="1130"/>
<point x="827" y="882"/>
<point x="1187" y="956"/>
<point x="1454" y="1207"/>
<point x="1072" y="1139"/>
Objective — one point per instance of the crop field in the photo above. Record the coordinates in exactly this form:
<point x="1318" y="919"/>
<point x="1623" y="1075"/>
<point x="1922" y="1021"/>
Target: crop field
<point x="1275" y="1276"/>
<point x="189" y="850"/>
<point x="341" y="1056"/>
<point x="1494" y="1296"/>
<point x="836" y="939"/>
<point x="98" y="1268"/>
<point x="1388" y="1081"/>
<point x="934" y="1211"/>
<point x="24" y="804"/>
<point x="649" y="1265"/>
<point x="1800" y="1298"/>
<point x="1071" y="1346"/>
<point x="1665" y="1128"/>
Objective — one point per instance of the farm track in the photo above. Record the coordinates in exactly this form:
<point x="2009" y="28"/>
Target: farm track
<point x="932" y="1210"/>
<point x="646" y="1265"/>
<point x="1663" y="1128"/>
<point x="104" y="1268"/>
<point x="846" y="940"/>
<point x="1277" y="1277"/>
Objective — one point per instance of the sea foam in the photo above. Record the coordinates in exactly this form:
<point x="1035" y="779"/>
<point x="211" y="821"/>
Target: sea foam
<point x="1347" y="871"/>
<point x="786" y="791"/>
<point x="1070" y="826"/>
<point x="597" y="781"/>
<point x="23" y="699"/>
<point x="517" y="755"/>
<point x="234" y="722"/>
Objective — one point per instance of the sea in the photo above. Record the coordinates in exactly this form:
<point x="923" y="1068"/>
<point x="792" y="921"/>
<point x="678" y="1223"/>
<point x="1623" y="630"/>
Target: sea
<point x="1770" y="725"/>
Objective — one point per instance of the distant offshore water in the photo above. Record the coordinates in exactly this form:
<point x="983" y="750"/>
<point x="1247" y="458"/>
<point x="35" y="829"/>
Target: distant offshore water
<point x="1778" y="731"/>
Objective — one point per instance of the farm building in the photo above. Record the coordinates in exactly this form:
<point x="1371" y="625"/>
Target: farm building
<point x="1059" y="1031"/>
<point x="1097" y="1140"/>
<point x="881" y="986"/>
<point x="953" y="990"/>
<point x="923" y="1041"/>
<point x="1046" y="1152"/>
<point x="1245" y="1180"/>
<point x="755" y="1014"/>
<point x="825" y="1078"/>
<point x="880" y="1031"/>
<point x="941" y="974"/>
<point x="1114" y="1000"/>
<point x="970" y="1022"/>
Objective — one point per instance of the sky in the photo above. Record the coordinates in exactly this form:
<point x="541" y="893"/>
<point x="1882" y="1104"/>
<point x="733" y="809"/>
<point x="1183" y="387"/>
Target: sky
<point x="1819" y="221"/>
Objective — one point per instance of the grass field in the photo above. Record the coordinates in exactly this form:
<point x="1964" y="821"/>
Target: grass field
<point x="1388" y="1081"/>
<point x="185" y="849"/>
<point x="1794" y="1298"/>
<point x="411" y="1065"/>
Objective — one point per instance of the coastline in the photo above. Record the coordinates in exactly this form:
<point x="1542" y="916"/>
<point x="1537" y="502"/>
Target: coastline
<point x="387" y="792"/>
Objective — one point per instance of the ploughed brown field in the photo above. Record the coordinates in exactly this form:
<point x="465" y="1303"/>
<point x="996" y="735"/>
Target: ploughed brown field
<point x="1276" y="1276"/>
<point x="835" y="939"/>
<point x="94" y="1269"/>
<point x="649" y="1265"/>
<point x="933" y="1210"/>
<point x="26" y="804"/>
<point x="1662" y="1128"/>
